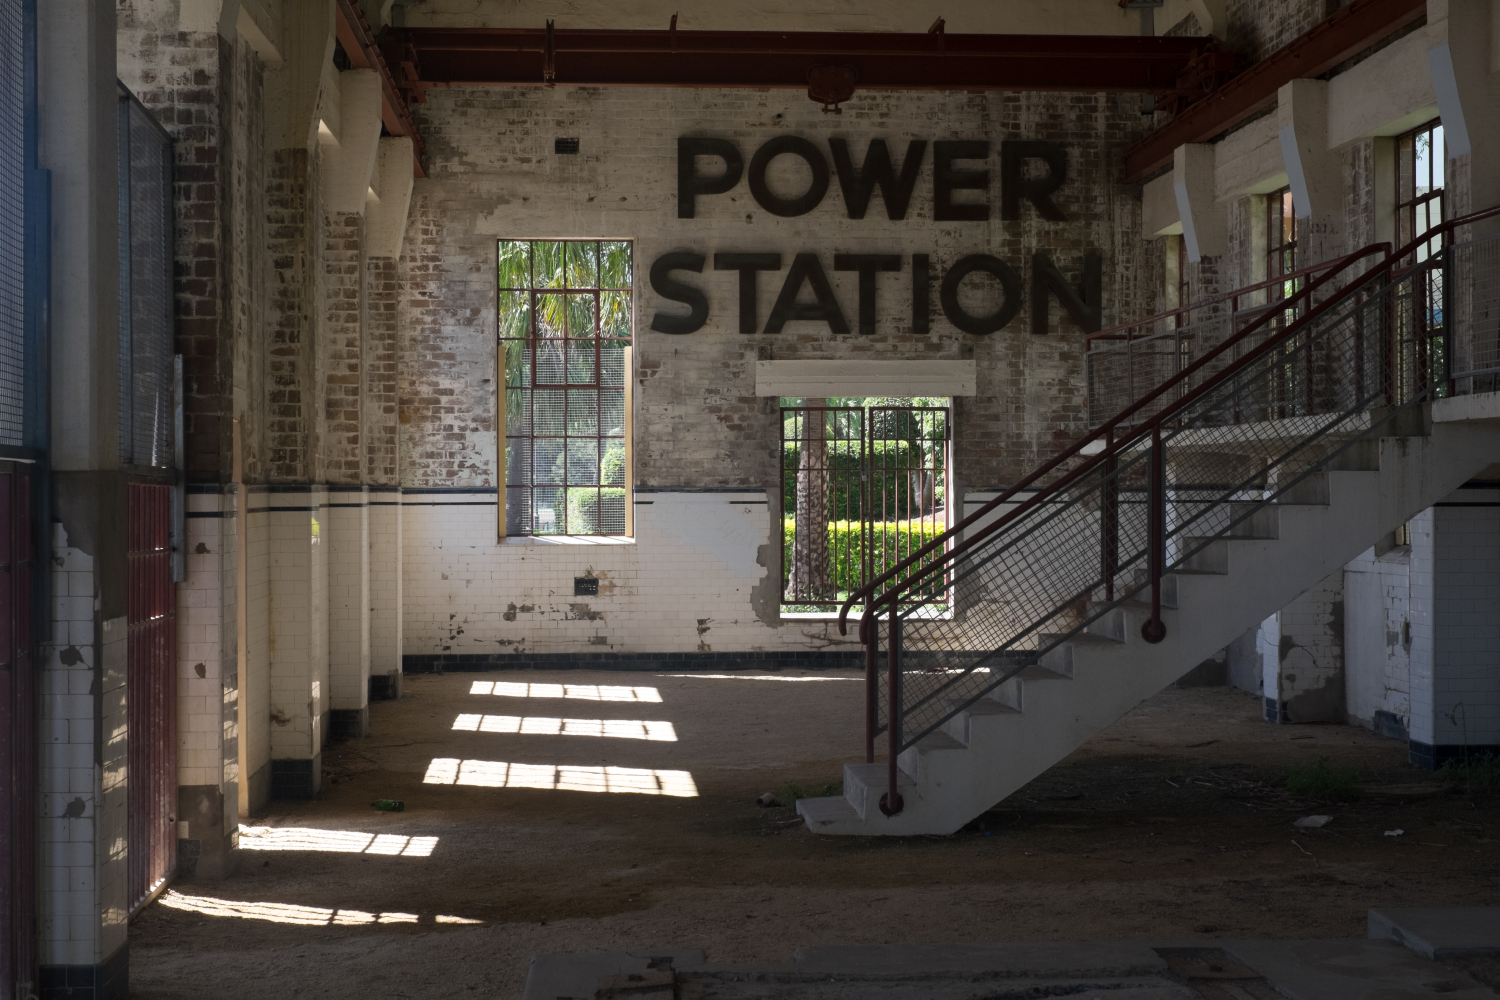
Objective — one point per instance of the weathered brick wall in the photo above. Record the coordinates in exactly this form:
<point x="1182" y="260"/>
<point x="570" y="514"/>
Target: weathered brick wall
<point x="343" y="268"/>
<point x="1257" y="28"/>
<point x="381" y="301"/>
<point x="699" y="424"/>
<point x="293" y="416"/>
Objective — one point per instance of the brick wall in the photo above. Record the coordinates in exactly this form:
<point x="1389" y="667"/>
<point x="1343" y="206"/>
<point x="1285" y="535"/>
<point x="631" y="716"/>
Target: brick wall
<point x="698" y="421"/>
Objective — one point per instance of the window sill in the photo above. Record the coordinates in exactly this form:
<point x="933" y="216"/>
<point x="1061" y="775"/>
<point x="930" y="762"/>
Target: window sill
<point x="567" y="540"/>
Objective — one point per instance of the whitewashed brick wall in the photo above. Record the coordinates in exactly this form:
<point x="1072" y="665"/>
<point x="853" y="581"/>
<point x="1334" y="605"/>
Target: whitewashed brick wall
<point x="684" y="584"/>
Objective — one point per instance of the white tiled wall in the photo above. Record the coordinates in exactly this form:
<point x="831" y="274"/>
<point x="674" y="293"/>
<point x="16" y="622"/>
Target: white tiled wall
<point x="81" y="844"/>
<point x="207" y="669"/>
<point x="385" y="582"/>
<point x="1455" y="621"/>
<point x="297" y="630"/>
<point x="346" y="538"/>
<point x="1377" y="635"/>
<point x="257" y="691"/>
<point x="683" y="584"/>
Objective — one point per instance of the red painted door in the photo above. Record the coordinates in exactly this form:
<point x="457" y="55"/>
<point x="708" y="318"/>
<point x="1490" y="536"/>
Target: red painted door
<point x="151" y="693"/>
<point x="18" y="704"/>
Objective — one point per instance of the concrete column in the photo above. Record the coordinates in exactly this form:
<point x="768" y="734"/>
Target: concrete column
<point x="255" y="692"/>
<point x="297" y="637"/>
<point x="1455" y="627"/>
<point x="348" y="538"/>
<point x="1377" y="640"/>
<point x="1304" y="679"/>
<point x="385" y="592"/>
<point x="208" y="689"/>
<point x="82" y="834"/>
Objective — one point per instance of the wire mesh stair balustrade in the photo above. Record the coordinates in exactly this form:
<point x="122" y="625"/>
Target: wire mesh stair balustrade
<point x="1159" y="488"/>
<point x="1127" y="361"/>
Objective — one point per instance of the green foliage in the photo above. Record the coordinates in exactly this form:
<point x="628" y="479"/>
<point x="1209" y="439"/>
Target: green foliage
<point x="891" y="542"/>
<point x="1321" y="781"/>
<point x="1476" y="775"/>
<point x="585" y="516"/>
<point x="893" y="486"/>
<point x="791" y="792"/>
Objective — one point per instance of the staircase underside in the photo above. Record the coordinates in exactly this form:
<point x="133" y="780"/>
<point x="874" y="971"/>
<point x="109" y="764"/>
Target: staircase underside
<point x="994" y="747"/>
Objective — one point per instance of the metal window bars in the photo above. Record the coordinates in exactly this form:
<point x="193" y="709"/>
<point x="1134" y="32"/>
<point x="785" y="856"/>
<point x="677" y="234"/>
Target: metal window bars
<point x="1185" y="463"/>
<point x="862" y="488"/>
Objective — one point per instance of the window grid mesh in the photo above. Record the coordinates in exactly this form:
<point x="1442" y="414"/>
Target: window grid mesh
<point x="564" y="321"/>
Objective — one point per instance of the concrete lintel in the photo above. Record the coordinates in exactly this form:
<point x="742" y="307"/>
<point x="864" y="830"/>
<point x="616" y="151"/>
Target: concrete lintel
<point x="350" y="166"/>
<point x="293" y="89"/>
<point x="385" y="214"/>
<point x="1388" y="94"/>
<point x="1248" y="161"/>
<point x="1159" y="215"/>
<point x="865" y="378"/>
<point x="221" y="16"/>
<point x="1205" y="226"/>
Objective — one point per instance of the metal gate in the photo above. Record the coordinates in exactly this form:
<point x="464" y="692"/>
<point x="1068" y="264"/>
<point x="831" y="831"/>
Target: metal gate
<point x="151" y="693"/>
<point x="18" y="704"/>
<point x="862" y="487"/>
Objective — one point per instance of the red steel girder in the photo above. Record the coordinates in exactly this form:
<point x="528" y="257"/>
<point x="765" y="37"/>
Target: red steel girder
<point x="1349" y="31"/>
<point x="670" y="58"/>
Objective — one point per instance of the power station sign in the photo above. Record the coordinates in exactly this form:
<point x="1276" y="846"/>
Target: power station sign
<point x="1031" y="171"/>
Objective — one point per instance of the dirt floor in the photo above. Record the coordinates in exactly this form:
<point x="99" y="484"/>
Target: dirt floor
<point x="1171" y="825"/>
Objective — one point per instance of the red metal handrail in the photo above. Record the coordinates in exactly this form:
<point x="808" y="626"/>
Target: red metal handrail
<point x="1121" y="332"/>
<point x="1154" y="629"/>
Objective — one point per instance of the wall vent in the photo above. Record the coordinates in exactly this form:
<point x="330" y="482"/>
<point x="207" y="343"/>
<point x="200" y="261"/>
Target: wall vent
<point x="565" y="146"/>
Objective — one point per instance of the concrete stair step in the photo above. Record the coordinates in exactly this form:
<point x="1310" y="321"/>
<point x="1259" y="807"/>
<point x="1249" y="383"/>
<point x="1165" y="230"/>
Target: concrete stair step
<point x="1310" y="492"/>
<point x="827" y="811"/>
<point x="1264" y="521"/>
<point x="1059" y="660"/>
<point x="1213" y="558"/>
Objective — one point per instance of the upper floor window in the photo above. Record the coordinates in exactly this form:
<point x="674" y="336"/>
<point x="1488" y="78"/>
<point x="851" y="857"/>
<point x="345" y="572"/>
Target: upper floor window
<point x="564" y="330"/>
<point x="1420" y="157"/>
<point x="1281" y="240"/>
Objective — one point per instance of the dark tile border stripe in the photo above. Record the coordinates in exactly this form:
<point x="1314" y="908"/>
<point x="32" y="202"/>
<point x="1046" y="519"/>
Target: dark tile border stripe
<point x="1430" y="758"/>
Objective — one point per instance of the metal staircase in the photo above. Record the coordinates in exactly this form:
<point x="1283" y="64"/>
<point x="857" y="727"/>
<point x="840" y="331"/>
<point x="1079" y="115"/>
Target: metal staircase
<point x="1243" y="471"/>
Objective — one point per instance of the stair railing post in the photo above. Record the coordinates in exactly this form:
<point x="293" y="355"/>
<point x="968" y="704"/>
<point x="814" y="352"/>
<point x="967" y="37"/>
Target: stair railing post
<point x="1450" y="341"/>
<point x="1154" y="629"/>
<point x="1109" y="540"/>
<point x="890" y="802"/>
<point x="867" y="634"/>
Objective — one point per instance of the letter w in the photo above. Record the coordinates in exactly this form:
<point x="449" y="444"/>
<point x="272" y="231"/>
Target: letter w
<point x="877" y="169"/>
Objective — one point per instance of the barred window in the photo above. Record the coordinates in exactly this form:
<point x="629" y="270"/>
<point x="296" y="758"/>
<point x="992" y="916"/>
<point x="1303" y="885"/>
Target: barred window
<point x="564" y="330"/>
<point x="1420" y="157"/>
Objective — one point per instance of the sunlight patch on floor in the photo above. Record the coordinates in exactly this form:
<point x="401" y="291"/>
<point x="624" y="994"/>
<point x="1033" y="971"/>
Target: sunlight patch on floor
<point x="623" y="729"/>
<point x="757" y="677"/>
<point x="581" y="692"/>
<point x="296" y="838"/>
<point x="564" y="777"/>
<point x="282" y="913"/>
